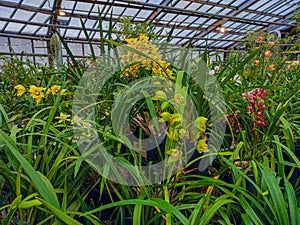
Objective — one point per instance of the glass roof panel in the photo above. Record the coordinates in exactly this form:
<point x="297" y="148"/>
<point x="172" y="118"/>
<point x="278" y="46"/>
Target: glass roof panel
<point x="43" y="31"/>
<point x="144" y="13"/>
<point x="169" y="16"/>
<point x="154" y="1"/>
<point x="74" y="22"/>
<point x="177" y="13"/>
<point x="90" y="23"/>
<point x="225" y="11"/>
<point x="225" y="2"/>
<point x="215" y="1"/>
<point x="182" y="4"/>
<point x="72" y="33"/>
<point x="250" y="16"/>
<point x="21" y="45"/>
<point x="190" y="19"/>
<point x="204" y="8"/>
<point x="186" y="32"/>
<point x="22" y="14"/>
<point x="40" y="17"/>
<point x="282" y="10"/>
<point x="214" y="10"/>
<point x="83" y="7"/>
<point x="5" y="12"/>
<point x="2" y="24"/>
<point x="180" y="18"/>
<point x="68" y="4"/>
<point x="14" y="27"/>
<point x="30" y="29"/>
<point x="16" y="1"/>
<point x="94" y="10"/>
<point x="237" y="2"/>
<point x="194" y="6"/>
<point x="200" y="42"/>
<point x="116" y="10"/>
<point x="176" y="31"/>
<point x="261" y="5"/>
<point x="130" y="12"/>
<point x="175" y="40"/>
<point x="34" y="3"/>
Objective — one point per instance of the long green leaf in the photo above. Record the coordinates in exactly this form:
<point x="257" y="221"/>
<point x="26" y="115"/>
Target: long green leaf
<point x="294" y="211"/>
<point x="40" y="183"/>
<point x="137" y="215"/>
<point x="152" y="202"/>
<point x="250" y="212"/>
<point x="60" y="214"/>
<point x="211" y="211"/>
<point x="88" y="39"/>
<point x="277" y="198"/>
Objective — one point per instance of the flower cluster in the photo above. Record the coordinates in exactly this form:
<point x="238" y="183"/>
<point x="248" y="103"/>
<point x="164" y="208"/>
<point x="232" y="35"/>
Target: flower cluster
<point x="256" y="101"/>
<point x="37" y="93"/>
<point x="148" y="58"/>
<point x="233" y="121"/>
<point x="266" y="54"/>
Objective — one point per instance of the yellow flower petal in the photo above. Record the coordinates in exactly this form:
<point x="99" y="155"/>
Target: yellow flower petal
<point x="55" y="89"/>
<point x="20" y="90"/>
<point x="37" y="93"/>
<point x="63" y="92"/>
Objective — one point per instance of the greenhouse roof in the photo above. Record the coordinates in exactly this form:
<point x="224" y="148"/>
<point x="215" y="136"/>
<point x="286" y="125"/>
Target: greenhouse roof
<point x="33" y="20"/>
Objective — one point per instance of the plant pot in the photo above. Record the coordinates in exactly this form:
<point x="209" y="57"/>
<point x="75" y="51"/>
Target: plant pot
<point x="297" y="150"/>
<point x="249" y="186"/>
<point x="94" y="200"/>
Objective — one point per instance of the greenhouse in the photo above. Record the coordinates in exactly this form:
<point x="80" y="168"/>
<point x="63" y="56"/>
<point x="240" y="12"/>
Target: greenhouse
<point x="143" y="112"/>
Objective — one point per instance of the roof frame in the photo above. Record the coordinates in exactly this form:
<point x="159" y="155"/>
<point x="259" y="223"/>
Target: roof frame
<point x="188" y="18"/>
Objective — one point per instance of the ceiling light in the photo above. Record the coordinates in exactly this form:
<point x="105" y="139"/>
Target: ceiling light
<point x="222" y="29"/>
<point x="61" y="12"/>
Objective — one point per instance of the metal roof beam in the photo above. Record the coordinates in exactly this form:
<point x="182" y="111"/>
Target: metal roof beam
<point x="35" y="9"/>
<point x="168" y="9"/>
<point x="244" y="5"/>
<point x="213" y="4"/>
<point x="80" y="41"/>
<point x="234" y="8"/>
<point x="285" y="18"/>
<point x="97" y="30"/>
<point x="29" y="8"/>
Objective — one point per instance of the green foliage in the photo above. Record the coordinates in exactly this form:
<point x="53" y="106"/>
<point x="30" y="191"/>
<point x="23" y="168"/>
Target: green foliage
<point x="45" y="178"/>
<point x="127" y="29"/>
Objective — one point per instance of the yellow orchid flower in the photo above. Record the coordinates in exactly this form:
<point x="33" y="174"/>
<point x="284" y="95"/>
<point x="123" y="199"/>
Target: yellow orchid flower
<point x="160" y="95"/>
<point x="62" y="118"/>
<point x="179" y="99"/>
<point x="20" y="90"/>
<point x="200" y="122"/>
<point x="131" y="40"/>
<point x="37" y="93"/>
<point x="55" y="89"/>
<point x="76" y="120"/>
<point x="202" y="146"/>
<point x="147" y="64"/>
<point x="173" y="135"/>
<point x="176" y="118"/>
<point x="144" y="37"/>
<point x="175" y="155"/>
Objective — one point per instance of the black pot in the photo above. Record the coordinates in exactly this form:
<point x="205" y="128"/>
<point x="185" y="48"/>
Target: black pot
<point x="94" y="200"/>
<point x="297" y="150"/>
<point x="249" y="185"/>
